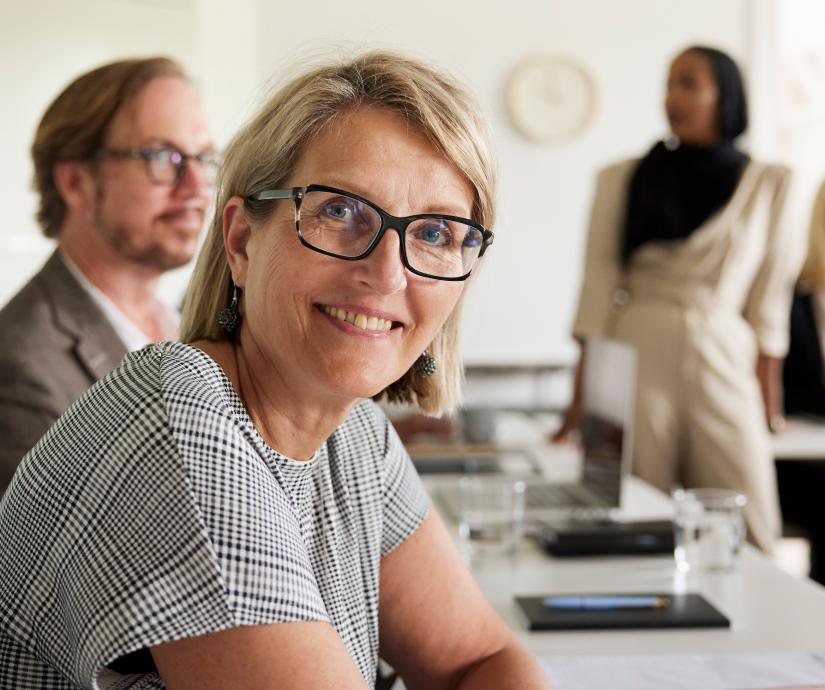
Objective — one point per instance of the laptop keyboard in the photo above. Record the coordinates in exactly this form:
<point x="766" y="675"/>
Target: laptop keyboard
<point x="551" y="495"/>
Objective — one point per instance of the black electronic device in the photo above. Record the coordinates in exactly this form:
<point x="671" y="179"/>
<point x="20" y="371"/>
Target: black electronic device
<point x="602" y="538"/>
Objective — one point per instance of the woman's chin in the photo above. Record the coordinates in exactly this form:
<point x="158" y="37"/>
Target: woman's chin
<point x="363" y="382"/>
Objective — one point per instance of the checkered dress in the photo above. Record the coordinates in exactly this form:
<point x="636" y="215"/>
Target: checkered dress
<point x="153" y="510"/>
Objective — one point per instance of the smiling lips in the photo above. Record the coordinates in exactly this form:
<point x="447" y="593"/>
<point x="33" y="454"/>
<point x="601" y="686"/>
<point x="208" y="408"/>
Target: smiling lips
<point x="359" y="320"/>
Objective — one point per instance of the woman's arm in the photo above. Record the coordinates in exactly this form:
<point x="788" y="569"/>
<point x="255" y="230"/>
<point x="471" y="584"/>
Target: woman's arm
<point x="768" y="305"/>
<point x="572" y="422"/>
<point x="769" y="374"/>
<point x="602" y="275"/>
<point x="437" y="629"/>
<point x="286" y="656"/>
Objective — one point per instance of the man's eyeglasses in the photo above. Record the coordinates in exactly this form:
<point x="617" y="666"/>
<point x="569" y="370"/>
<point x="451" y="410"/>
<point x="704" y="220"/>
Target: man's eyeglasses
<point x="165" y="164"/>
<point x="347" y="226"/>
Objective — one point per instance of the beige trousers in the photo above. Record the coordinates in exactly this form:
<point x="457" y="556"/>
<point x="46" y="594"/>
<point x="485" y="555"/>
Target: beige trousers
<point x="699" y="411"/>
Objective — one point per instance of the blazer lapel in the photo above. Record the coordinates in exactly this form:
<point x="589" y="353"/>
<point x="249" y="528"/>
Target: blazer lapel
<point x="97" y="346"/>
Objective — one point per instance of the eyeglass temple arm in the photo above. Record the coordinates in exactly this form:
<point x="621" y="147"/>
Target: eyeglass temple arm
<point x="271" y="194"/>
<point x="488" y="240"/>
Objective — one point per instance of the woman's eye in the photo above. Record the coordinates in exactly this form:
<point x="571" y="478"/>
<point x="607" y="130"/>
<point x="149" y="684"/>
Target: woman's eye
<point x="339" y="211"/>
<point x="435" y="234"/>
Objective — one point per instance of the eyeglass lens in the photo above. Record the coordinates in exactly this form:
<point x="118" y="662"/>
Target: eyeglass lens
<point x="346" y="226"/>
<point x="168" y="166"/>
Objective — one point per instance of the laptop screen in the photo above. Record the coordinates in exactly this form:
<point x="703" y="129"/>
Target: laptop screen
<point x="608" y="400"/>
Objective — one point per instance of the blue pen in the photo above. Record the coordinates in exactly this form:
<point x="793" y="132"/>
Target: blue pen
<point x="606" y="603"/>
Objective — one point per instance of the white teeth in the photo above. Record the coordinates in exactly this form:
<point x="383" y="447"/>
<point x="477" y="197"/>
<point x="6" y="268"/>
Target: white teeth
<point x="362" y="321"/>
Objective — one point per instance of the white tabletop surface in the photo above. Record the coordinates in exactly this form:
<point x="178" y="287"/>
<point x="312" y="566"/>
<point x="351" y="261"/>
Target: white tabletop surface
<point x="802" y="439"/>
<point x="769" y="609"/>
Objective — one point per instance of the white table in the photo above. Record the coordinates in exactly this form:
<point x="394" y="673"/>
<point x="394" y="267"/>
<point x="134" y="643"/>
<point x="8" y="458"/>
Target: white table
<point x="803" y="439"/>
<point x="769" y="610"/>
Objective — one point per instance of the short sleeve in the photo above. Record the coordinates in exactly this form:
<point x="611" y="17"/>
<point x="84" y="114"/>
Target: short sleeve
<point x="405" y="501"/>
<point x="602" y="272"/>
<point x="100" y="552"/>
<point x="768" y="305"/>
<point x="133" y="523"/>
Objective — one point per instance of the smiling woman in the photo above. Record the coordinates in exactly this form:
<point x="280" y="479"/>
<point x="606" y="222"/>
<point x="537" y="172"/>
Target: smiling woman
<point x="253" y="520"/>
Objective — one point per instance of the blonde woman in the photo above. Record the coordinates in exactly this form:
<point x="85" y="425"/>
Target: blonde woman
<point x="236" y="512"/>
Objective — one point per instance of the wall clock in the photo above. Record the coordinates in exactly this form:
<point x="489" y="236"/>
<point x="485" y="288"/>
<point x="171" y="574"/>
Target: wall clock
<point x="550" y="99"/>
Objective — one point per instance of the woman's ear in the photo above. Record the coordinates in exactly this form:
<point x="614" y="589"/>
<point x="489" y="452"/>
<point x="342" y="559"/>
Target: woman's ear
<point x="236" y="235"/>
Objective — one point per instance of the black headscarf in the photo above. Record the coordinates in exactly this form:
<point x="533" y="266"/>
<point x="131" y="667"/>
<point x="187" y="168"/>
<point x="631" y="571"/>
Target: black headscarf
<point x="674" y="190"/>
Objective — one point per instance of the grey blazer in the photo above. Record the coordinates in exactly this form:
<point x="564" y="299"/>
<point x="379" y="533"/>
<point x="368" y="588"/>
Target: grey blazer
<point x="54" y="343"/>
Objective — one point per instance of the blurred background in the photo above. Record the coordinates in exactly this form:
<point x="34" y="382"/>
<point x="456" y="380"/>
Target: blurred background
<point x="521" y="307"/>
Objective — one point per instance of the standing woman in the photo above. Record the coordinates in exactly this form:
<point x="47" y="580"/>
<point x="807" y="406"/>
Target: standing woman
<point x="691" y="260"/>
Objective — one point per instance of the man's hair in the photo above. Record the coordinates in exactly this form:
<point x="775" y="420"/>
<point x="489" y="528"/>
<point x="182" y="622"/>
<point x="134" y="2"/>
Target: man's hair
<point x="265" y="152"/>
<point x="75" y="125"/>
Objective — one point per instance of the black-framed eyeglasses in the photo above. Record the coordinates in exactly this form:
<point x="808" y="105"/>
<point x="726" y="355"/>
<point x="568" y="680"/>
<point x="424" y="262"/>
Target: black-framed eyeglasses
<point x="347" y="226"/>
<point x="166" y="164"/>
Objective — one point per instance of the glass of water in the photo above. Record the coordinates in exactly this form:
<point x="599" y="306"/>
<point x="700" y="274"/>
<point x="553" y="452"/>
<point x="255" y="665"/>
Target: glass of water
<point x="709" y="529"/>
<point x="491" y="514"/>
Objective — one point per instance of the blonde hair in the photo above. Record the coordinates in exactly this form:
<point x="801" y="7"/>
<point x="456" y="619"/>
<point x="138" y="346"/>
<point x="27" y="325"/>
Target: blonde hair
<point x="74" y="126"/>
<point x="813" y="272"/>
<point x="266" y="151"/>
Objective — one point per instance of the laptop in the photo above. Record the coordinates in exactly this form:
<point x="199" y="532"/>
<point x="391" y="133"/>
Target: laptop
<point x="608" y="403"/>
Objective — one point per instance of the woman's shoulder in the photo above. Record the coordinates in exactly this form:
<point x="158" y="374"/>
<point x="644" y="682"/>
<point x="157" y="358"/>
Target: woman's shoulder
<point x="619" y="166"/>
<point x="617" y="173"/>
<point x="770" y="171"/>
<point x="135" y="411"/>
<point x="174" y="372"/>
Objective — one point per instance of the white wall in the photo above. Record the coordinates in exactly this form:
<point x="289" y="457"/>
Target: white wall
<point x="521" y="306"/>
<point x="801" y="81"/>
<point x="44" y="44"/>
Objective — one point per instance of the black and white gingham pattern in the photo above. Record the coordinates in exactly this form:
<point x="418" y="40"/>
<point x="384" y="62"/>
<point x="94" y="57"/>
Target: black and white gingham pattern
<point x="153" y="510"/>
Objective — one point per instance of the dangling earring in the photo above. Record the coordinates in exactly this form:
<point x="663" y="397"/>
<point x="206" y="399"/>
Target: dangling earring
<point x="229" y="317"/>
<point x="672" y="142"/>
<point x="425" y="365"/>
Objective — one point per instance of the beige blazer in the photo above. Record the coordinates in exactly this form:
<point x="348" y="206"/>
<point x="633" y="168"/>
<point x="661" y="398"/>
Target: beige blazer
<point x="54" y="343"/>
<point x="744" y="259"/>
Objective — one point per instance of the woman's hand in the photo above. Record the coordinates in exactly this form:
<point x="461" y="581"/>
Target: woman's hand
<point x="571" y="424"/>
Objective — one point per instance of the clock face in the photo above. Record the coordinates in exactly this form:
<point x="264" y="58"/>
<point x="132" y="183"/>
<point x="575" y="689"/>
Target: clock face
<point x="550" y="99"/>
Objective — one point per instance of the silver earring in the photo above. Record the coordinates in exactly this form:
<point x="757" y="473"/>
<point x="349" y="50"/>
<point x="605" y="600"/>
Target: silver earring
<point x="229" y="317"/>
<point x="425" y="365"/>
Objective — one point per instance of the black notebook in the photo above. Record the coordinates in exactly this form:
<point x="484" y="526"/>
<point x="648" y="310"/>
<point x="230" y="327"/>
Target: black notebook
<point x="615" y="611"/>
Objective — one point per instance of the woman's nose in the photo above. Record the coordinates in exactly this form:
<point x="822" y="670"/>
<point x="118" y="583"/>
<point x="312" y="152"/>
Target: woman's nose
<point x="383" y="269"/>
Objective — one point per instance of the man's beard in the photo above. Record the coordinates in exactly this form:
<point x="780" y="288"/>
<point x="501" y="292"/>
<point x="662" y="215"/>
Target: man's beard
<point x="152" y="255"/>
